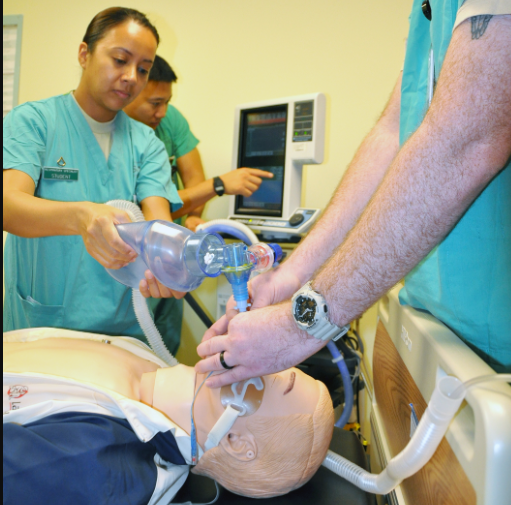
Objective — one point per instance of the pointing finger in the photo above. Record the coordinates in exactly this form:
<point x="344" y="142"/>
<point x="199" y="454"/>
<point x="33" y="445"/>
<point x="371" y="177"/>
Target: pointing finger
<point x="261" y="173"/>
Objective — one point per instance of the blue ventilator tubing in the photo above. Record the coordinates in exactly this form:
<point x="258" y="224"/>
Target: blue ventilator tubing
<point x="346" y="381"/>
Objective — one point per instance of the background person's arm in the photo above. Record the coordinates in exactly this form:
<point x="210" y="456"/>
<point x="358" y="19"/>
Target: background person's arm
<point x="191" y="172"/>
<point x="28" y="216"/>
<point x="243" y="181"/>
<point x="462" y="144"/>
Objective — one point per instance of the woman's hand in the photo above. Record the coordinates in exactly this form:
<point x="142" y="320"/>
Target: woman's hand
<point x="101" y="239"/>
<point x="151" y="287"/>
<point x="191" y="222"/>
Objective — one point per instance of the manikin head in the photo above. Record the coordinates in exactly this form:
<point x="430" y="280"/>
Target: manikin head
<point x="275" y="449"/>
<point x="151" y="105"/>
<point x="116" y="55"/>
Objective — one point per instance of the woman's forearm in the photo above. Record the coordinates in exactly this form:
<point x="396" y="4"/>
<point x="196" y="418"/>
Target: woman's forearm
<point x="29" y="216"/>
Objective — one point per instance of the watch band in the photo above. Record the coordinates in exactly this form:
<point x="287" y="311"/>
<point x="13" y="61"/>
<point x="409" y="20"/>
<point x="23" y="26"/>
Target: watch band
<point x="325" y="330"/>
<point x="322" y="328"/>
<point x="218" y="186"/>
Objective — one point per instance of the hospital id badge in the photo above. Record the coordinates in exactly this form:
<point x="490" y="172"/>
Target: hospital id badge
<point x="60" y="174"/>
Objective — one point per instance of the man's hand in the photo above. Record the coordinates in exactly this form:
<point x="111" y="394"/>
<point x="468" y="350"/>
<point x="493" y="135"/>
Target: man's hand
<point x="259" y="342"/>
<point x="101" y="239"/>
<point x="151" y="287"/>
<point x="244" y="181"/>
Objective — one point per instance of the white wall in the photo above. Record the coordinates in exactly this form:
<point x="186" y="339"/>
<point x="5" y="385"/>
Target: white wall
<point x="227" y="52"/>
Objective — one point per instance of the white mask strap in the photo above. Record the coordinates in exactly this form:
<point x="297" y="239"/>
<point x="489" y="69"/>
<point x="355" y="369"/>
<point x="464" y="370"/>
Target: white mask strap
<point x="228" y="418"/>
<point x="222" y="427"/>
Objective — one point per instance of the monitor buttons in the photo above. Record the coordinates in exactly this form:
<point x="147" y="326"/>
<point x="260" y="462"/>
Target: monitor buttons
<point x="296" y="219"/>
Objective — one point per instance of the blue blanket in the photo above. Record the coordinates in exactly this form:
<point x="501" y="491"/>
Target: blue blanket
<point x="81" y="459"/>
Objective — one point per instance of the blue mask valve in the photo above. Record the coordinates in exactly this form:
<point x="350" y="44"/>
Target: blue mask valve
<point x="237" y="268"/>
<point x="277" y="253"/>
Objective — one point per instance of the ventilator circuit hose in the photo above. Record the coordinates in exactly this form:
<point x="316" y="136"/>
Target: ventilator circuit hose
<point x="139" y="302"/>
<point x="346" y="382"/>
<point x="444" y="403"/>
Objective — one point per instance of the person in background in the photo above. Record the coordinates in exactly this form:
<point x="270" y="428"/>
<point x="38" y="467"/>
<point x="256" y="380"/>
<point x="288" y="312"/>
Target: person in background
<point x="427" y="196"/>
<point x="64" y="158"/>
<point x="152" y="108"/>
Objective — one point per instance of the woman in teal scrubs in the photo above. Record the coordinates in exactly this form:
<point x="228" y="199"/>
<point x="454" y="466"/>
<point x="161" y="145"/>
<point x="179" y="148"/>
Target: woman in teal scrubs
<point x="64" y="158"/>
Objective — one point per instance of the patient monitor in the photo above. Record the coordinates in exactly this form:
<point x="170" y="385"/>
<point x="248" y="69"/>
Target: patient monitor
<point x="279" y="136"/>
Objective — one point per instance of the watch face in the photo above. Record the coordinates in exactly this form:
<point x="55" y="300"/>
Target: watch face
<point x="305" y="310"/>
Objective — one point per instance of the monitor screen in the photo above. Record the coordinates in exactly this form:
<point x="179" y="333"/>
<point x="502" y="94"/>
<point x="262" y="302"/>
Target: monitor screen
<point x="263" y="146"/>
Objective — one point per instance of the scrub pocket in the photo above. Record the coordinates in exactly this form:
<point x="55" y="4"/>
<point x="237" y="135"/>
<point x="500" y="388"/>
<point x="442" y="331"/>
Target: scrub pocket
<point x="39" y="316"/>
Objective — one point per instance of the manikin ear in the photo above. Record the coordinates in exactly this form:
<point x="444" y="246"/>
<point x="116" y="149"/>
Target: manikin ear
<point x="82" y="54"/>
<point x="240" y="444"/>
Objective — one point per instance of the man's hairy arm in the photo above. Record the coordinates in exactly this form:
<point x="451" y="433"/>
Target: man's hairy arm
<point x="359" y="183"/>
<point x="357" y="186"/>
<point x="462" y="144"/>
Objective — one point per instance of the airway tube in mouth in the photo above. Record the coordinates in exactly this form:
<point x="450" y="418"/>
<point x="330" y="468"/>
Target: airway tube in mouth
<point x="291" y="383"/>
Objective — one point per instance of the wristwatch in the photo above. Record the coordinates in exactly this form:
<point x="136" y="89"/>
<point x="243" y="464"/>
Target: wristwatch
<point x="310" y="313"/>
<point x="218" y="186"/>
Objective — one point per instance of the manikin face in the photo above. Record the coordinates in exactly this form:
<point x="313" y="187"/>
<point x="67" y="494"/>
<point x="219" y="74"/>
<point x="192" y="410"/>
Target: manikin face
<point x="118" y="69"/>
<point x="285" y="393"/>
<point x="151" y="105"/>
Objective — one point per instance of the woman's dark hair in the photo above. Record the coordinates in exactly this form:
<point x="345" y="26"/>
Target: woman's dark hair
<point x="110" y="18"/>
<point x="161" y="71"/>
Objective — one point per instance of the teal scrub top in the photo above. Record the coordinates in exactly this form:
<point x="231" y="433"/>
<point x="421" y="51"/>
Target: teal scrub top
<point x="466" y="280"/>
<point x="174" y="131"/>
<point x="53" y="281"/>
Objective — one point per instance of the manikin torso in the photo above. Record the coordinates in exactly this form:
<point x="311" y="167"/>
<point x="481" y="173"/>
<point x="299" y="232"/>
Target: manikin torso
<point x="168" y="390"/>
<point x="106" y="366"/>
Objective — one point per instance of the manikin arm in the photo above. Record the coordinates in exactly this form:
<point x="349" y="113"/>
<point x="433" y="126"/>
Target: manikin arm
<point x="462" y="144"/>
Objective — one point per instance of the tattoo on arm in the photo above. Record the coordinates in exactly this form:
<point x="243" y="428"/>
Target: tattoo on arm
<point x="479" y="25"/>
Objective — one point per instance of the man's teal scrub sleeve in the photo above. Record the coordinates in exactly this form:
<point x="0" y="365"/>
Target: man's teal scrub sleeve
<point x="465" y="281"/>
<point x="24" y="140"/>
<point x="154" y="178"/>
<point x="174" y="132"/>
<point x="471" y="8"/>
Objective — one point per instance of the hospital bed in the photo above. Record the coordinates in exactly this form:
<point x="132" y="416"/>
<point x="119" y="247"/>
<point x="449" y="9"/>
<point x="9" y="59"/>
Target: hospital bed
<point x="472" y="465"/>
